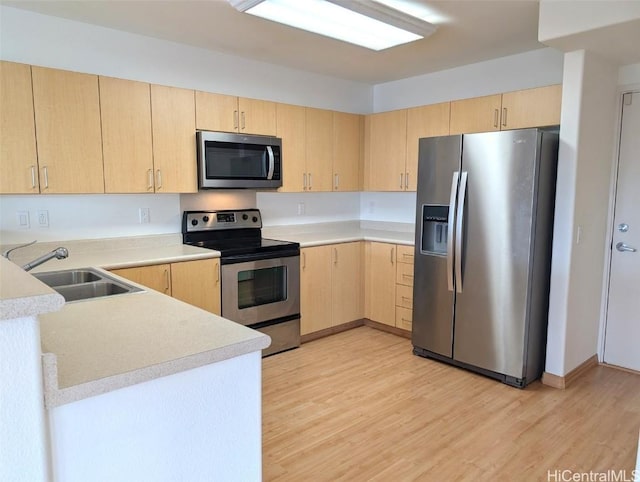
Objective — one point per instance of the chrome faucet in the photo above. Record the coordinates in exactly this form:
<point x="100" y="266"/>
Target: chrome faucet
<point x="58" y="253"/>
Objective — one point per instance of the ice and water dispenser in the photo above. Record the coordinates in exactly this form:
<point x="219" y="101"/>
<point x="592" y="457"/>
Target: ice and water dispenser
<point x="434" y="229"/>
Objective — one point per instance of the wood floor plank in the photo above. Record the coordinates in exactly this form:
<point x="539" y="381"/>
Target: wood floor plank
<point x="359" y="405"/>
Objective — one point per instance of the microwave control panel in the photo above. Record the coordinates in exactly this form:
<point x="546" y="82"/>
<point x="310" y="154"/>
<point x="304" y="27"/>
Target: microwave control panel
<point x="216" y="220"/>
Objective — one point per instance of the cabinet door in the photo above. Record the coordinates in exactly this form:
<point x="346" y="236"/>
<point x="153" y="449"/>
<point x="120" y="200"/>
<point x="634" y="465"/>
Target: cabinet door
<point x="347" y="151"/>
<point x="380" y="294"/>
<point x="257" y="116"/>
<point x="480" y="114"/>
<point x="125" y="110"/>
<point x="67" y="118"/>
<point x="156" y="277"/>
<point x="216" y="112"/>
<point x="291" y="121"/>
<point x="18" y="159"/>
<point x="319" y="149"/>
<point x="174" y="139"/>
<point x="347" y="300"/>
<point x="197" y="283"/>
<point x="315" y="289"/>
<point x="425" y="121"/>
<point x="531" y="107"/>
<point x="385" y="150"/>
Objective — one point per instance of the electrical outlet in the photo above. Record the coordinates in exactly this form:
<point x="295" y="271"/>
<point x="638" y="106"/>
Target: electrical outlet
<point x="145" y="215"/>
<point x="301" y="209"/>
<point x="43" y="218"/>
<point x="22" y="218"/>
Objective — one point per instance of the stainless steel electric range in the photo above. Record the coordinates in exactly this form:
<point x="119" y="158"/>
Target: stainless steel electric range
<point x="260" y="278"/>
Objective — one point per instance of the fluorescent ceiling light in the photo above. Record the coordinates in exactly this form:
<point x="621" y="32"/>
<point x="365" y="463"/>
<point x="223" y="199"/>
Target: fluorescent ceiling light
<point x="361" y="22"/>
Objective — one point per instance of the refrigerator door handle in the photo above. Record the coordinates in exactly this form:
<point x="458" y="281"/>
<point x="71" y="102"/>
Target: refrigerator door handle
<point x="450" y="229"/>
<point x="459" y="228"/>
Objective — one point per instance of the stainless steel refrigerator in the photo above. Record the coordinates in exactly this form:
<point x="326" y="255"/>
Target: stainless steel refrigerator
<point x="484" y="219"/>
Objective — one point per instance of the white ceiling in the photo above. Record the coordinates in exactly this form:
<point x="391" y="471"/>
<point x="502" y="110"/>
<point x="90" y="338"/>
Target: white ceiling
<point x="468" y="32"/>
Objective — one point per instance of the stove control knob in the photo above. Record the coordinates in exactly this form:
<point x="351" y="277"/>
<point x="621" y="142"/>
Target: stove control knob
<point x="245" y="217"/>
<point x="255" y="219"/>
<point x="194" y="222"/>
<point x="205" y="219"/>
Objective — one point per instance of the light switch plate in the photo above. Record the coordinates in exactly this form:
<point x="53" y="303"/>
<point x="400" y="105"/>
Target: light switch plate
<point x="22" y="218"/>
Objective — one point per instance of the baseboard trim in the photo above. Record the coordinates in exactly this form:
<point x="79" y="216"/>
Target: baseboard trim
<point x="622" y="369"/>
<point x="331" y="331"/>
<point x="387" y="328"/>
<point x="556" y="381"/>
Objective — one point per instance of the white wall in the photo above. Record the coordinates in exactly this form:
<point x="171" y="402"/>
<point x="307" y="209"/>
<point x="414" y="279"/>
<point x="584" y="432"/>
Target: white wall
<point x="88" y="216"/>
<point x="282" y="208"/>
<point x="37" y="39"/>
<point x="23" y="456"/>
<point x="582" y="202"/>
<point x="629" y="74"/>
<point x="531" y="69"/>
<point x="396" y="207"/>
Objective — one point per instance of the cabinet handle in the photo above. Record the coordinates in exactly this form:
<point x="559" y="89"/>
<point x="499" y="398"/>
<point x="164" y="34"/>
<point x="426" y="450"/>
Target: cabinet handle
<point x="304" y="260"/>
<point x="406" y="180"/>
<point x="45" y="171"/>
<point x="406" y="298"/>
<point x="235" y="119"/>
<point x="336" y="181"/>
<point x="392" y="254"/>
<point x="504" y="116"/>
<point x="166" y="280"/>
<point x="217" y="273"/>
<point x="496" y="113"/>
<point x="310" y="182"/>
<point x="158" y="179"/>
<point x="408" y="276"/>
<point x="150" y="179"/>
<point x="401" y="180"/>
<point x="335" y="255"/>
<point x="33" y="177"/>
<point x="304" y="181"/>
<point x="243" y="120"/>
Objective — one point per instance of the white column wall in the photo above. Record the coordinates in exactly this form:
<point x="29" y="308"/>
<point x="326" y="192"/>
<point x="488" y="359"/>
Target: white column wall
<point x="23" y="447"/>
<point x="582" y="199"/>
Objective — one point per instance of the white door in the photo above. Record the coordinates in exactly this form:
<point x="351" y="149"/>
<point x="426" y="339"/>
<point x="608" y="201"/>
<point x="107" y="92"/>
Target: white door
<point x="622" y="336"/>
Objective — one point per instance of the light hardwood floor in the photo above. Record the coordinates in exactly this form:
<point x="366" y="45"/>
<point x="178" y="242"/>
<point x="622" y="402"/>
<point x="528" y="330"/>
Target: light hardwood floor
<point x="359" y="406"/>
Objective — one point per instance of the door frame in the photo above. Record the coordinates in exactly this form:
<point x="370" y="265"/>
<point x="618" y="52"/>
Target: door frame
<point x="613" y="191"/>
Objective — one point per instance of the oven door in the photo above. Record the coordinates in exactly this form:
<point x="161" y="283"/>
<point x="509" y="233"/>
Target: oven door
<point x="263" y="290"/>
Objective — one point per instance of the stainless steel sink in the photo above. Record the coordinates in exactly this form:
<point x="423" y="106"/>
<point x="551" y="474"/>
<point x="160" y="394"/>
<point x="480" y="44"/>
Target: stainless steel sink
<point x="84" y="284"/>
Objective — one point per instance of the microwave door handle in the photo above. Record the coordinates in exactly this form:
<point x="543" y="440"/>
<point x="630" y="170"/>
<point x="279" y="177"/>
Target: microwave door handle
<point x="272" y="163"/>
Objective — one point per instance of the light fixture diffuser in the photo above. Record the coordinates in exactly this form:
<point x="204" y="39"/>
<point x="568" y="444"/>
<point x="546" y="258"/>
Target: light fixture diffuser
<point x="361" y="22"/>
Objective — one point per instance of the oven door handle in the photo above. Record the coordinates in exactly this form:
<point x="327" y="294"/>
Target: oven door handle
<point x="272" y="163"/>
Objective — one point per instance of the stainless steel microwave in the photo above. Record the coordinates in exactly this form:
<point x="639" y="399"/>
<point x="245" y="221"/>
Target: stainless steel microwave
<point x="228" y="160"/>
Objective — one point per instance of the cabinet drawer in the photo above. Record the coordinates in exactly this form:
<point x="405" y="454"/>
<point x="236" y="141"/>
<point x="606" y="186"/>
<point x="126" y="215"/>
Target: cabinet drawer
<point x="404" y="274"/>
<point x="403" y="318"/>
<point x="404" y="254"/>
<point x="404" y="296"/>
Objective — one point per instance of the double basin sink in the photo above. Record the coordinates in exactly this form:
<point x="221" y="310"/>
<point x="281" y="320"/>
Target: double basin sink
<point x="84" y="284"/>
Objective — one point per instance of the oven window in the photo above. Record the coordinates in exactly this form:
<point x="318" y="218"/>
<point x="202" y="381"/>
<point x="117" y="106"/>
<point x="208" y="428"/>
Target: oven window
<point x="262" y="286"/>
<point x="230" y="160"/>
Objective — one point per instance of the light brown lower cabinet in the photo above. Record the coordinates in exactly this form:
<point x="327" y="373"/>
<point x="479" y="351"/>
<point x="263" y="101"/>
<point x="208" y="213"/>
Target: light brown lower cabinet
<point x="330" y="286"/>
<point x="194" y="282"/>
<point x="389" y="284"/>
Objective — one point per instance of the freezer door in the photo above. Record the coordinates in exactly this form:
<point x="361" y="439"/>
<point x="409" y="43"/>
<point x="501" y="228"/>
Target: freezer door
<point x="433" y="295"/>
<point x="496" y="249"/>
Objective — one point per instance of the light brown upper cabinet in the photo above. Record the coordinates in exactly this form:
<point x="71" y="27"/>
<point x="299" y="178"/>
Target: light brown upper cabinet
<point x="425" y="121"/>
<point x="348" y="131"/>
<point x="227" y="113"/>
<point x="291" y="121"/>
<point x="385" y="151"/>
<point x="126" y="136"/>
<point x="174" y="139"/>
<point x="511" y="110"/>
<point x="480" y="114"/>
<point x="318" y="150"/>
<point x="67" y="119"/>
<point x="531" y="107"/>
<point x="18" y="157"/>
